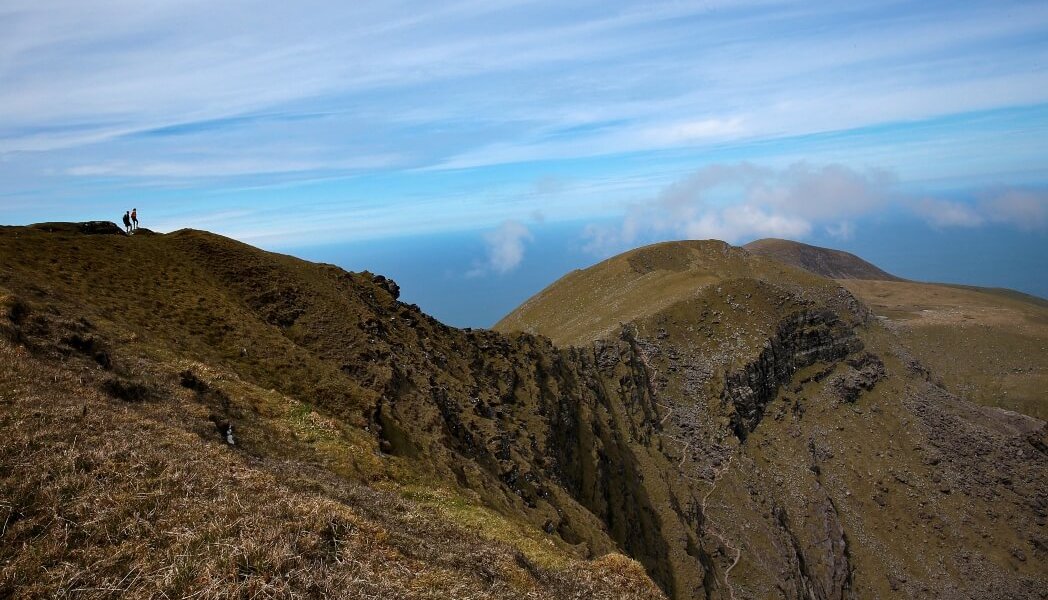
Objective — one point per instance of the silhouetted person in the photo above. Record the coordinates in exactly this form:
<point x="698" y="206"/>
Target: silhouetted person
<point x="127" y="222"/>
<point x="134" y="219"/>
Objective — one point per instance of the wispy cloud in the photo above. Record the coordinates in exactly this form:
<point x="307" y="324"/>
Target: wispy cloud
<point x="692" y="131"/>
<point x="1024" y="209"/>
<point x="845" y="230"/>
<point x="95" y="95"/>
<point x="227" y="167"/>
<point x="171" y="64"/>
<point x="946" y="213"/>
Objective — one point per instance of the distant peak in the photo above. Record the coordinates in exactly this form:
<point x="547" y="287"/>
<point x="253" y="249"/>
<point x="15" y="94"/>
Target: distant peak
<point x="835" y="264"/>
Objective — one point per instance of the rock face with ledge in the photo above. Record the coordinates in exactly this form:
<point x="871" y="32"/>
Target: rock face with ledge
<point x="809" y="435"/>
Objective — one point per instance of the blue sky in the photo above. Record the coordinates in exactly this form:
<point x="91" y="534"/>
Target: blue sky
<point x="497" y="123"/>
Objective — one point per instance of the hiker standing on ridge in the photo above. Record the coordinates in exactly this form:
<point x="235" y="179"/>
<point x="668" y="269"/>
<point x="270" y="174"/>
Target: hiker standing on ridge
<point x="127" y="222"/>
<point x="134" y="219"/>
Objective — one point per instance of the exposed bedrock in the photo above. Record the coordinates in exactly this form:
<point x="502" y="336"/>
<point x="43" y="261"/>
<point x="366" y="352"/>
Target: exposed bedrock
<point x="821" y="569"/>
<point x="800" y="340"/>
<point x="572" y="439"/>
<point x="569" y="438"/>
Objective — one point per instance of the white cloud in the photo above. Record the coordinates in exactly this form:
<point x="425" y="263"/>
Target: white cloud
<point x="659" y="76"/>
<point x="227" y="167"/>
<point x="101" y="95"/>
<point x="602" y="240"/>
<point x="742" y="201"/>
<point x="826" y="192"/>
<point x="692" y="131"/>
<point x="1024" y="209"/>
<point x="946" y="213"/>
<point x="505" y="247"/>
<point x="845" y="230"/>
<point x="735" y="223"/>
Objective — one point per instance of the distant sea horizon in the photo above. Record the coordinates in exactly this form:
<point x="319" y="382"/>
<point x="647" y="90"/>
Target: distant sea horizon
<point x="449" y="277"/>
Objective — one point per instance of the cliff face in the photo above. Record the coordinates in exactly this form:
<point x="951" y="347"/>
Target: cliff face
<point x="746" y="433"/>
<point x="803" y="428"/>
<point x="575" y="440"/>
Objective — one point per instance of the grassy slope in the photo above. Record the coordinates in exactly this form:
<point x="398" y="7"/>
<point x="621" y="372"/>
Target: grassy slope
<point x="272" y="337"/>
<point x="912" y="525"/>
<point x="988" y="346"/>
<point x="143" y="499"/>
<point x="591" y="304"/>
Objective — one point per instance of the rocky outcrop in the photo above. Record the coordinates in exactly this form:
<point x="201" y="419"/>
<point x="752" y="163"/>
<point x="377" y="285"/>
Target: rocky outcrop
<point x="84" y="228"/>
<point x="568" y="438"/>
<point x="800" y="340"/>
<point x="821" y="569"/>
<point x="574" y="439"/>
<point x="861" y="374"/>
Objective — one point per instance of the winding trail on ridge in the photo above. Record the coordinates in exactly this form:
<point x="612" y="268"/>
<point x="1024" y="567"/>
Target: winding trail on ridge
<point x="712" y="530"/>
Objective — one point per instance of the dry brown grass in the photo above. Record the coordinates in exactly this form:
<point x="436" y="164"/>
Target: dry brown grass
<point x="103" y="499"/>
<point x="115" y="482"/>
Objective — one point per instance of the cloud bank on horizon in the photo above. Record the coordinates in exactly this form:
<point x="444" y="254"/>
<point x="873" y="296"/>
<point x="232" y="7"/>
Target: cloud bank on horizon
<point x="742" y="202"/>
<point x="326" y="120"/>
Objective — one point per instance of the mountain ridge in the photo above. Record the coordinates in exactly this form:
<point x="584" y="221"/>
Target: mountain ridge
<point x="663" y="437"/>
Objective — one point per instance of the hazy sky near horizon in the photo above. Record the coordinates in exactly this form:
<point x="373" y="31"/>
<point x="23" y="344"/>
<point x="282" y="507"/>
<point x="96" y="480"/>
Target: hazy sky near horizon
<point x="293" y="124"/>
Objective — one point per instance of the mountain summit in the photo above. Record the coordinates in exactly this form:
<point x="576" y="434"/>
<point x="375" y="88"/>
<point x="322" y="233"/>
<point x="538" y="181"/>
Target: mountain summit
<point x="186" y="415"/>
<point x="827" y="262"/>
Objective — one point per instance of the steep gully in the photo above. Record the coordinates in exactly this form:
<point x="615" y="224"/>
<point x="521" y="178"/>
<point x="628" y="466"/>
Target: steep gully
<point x="718" y="473"/>
<point x="573" y="438"/>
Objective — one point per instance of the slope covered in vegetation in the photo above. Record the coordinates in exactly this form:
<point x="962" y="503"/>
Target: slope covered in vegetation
<point x="125" y="361"/>
<point x="737" y="427"/>
<point x="827" y="262"/>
